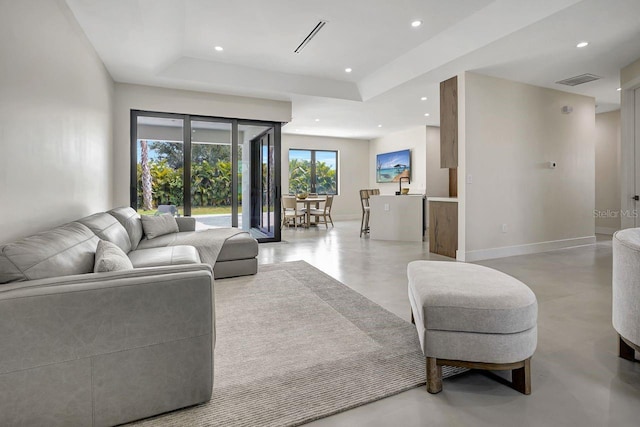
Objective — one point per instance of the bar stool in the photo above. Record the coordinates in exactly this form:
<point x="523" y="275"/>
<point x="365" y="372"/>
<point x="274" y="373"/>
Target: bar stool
<point x="364" y="202"/>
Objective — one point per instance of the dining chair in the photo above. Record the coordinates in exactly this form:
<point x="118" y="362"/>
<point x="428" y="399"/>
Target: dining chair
<point x="364" y="202"/>
<point x="290" y="211"/>
<point x="323" y="213"/>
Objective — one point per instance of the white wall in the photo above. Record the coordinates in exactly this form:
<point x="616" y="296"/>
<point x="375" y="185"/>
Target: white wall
<point x="630" y="72"/>
<point x="608" y="172"/>
<point x="437" y="181"/>
<point x="353" y="173"/>
<point x="56" y="105"/>
<point x="512" y="130"/>
<point x="147" y="98"/>
<point x="414" y="139"/>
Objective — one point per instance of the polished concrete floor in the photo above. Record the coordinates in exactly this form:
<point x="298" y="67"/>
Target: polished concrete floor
<point x="578" y="380"/>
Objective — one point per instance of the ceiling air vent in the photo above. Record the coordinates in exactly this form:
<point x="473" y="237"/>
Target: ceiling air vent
<point x="311" y="35"/>
<point x="578" y="80"/>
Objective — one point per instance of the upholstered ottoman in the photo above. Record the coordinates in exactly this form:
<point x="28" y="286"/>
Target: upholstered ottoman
<point x="472" y="316"/>
<point x="626" y="291"/>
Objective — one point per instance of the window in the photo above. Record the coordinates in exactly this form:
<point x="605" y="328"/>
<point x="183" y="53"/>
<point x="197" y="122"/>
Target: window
<point x="314" y="171"/>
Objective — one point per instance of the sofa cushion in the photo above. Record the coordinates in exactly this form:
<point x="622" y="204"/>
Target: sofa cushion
<point x="158" y="225"/>
<point x="65" y="250"/>
<point x="130" y="220"/>
<point x="209" y="243"/>
<point x="171" y="255"/>
<point x="109" y="257"/>
<point x="108" y="228"/>
<point x="240" y="246"/>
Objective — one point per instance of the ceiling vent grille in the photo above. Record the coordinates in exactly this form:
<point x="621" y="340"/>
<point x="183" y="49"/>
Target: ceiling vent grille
<point x="578" y="80"/>
<point x="311" y="35"/>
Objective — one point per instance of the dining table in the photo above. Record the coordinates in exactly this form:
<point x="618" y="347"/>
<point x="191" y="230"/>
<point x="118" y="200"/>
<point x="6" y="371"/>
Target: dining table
<point x="307" y="202"/>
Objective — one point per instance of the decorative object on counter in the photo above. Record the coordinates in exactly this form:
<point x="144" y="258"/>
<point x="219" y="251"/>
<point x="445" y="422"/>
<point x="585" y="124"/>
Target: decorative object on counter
<point x="400" y="189"/>
<point x="302" y="195"/>
<point x="390" y="167"/>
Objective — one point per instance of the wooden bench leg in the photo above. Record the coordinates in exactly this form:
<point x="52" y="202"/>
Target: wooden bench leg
<point x="626" y="351"/>
<point x="434" y="376"/>
<point x="521" y="378"/>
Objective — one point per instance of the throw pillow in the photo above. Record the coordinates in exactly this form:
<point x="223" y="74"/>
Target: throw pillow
<point x="158" y="225"/>
<point x="109" y="257"/>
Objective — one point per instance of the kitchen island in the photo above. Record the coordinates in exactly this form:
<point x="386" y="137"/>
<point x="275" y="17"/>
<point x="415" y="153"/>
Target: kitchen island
<point x="397" y="217"/>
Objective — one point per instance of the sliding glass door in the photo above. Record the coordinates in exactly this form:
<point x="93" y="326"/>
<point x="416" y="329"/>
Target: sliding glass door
<point x="223" y="172"/>
<point x="211" y="175"/>
<point x="266" y="201"/>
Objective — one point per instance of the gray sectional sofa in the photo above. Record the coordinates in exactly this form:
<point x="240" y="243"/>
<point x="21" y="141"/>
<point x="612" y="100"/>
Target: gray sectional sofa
<point x="99" y="349"/>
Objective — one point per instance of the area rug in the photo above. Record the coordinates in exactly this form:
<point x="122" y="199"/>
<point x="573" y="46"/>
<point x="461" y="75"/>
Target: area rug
<point x="294" y="345"/>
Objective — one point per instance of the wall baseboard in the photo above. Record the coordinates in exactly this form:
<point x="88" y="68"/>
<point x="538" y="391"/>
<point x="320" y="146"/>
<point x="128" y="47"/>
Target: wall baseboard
<point x="532" y="248"/>
<point x="346" y="217"/>
<point x="606" y="230"/>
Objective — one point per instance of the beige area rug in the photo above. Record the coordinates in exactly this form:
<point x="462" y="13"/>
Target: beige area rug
<point x="294" y="345"/>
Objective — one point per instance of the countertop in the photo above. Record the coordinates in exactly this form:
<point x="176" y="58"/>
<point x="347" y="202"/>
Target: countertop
<point x="442" y="199"/>
<point x="397" y="195"/>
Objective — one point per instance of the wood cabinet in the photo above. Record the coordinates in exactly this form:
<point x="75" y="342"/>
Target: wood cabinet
<point x="443" y="226"/>
<point x="449" y="123"/>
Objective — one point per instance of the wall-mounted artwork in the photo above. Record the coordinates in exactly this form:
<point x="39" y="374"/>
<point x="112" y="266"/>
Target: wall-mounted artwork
<point x="390" y="167"/>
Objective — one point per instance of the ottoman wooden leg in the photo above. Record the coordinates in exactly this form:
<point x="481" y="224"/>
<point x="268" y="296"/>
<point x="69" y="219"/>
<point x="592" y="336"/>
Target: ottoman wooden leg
<point x="626" y="351"/>
<point x="521" y="378"/>
<point x="434" y="376"/>
<point x="412" y="319"/>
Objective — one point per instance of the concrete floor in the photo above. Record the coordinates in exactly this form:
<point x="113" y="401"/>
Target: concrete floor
<point x="577" y="378"/>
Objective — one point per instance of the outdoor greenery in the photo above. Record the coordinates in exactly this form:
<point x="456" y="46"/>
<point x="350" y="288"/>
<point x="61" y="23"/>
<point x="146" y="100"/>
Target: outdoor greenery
<point x="300" y="177"/>
<point x="210" y="175"/>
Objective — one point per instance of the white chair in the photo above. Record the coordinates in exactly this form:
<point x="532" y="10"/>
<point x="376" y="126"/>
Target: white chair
<point x="323" y="213"/>
<point x="172" y="209"/>
<point x="290" y="211"/>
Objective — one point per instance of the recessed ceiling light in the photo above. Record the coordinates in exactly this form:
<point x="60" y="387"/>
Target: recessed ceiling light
<point x="219" y="48"/>
<point x="582" y="44"/>
<point x="317" y="120"/>
<point x="379" y="126"/>
<point x="426" y="114"/>
<point x="348" y="70"/>
<point x="416" y="23"/>
<point x="619" y="89"/>
<point x="424" y="98"/>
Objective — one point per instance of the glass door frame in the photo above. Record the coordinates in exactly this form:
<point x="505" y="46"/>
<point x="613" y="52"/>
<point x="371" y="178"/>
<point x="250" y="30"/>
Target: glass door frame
<point x="235" y="123"/>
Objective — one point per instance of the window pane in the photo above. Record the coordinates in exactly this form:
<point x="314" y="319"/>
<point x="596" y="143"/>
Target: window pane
<point x="326" y="172"/>
<point x="160" y="168"/>
<point x="211" y="174"/>
<point x="299" y="171"/>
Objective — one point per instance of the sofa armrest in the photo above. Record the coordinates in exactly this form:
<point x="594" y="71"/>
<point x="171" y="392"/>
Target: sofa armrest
<point x="186" y="223"/>
<point x="67" y="318"/>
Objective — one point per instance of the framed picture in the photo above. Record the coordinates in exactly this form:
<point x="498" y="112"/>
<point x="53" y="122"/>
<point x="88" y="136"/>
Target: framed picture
<point x="390" y="167"/>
